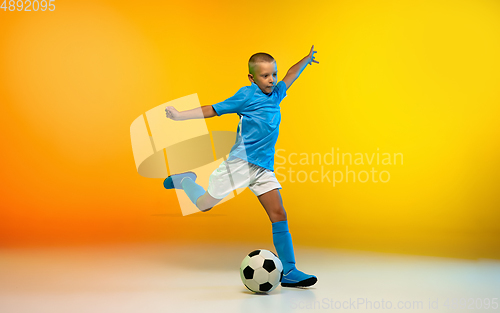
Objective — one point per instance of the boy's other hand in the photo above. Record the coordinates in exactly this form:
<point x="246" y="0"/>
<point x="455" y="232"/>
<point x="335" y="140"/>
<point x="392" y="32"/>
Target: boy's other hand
<point x="172" y="113"/>
<point x="311" y="56"/>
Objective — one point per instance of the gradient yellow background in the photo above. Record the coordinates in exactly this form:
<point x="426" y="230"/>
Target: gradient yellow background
<point x="414" y="77"/>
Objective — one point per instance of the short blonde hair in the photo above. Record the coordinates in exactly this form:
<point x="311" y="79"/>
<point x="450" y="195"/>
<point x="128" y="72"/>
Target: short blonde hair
<point x="256" y="58"/>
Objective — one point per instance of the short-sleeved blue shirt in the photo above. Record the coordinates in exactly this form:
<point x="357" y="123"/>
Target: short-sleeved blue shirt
<point x="258" y="128"/>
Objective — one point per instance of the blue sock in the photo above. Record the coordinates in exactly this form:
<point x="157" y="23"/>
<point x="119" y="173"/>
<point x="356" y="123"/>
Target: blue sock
<point x="192" y="189"/>
<point x="283" y="244"/>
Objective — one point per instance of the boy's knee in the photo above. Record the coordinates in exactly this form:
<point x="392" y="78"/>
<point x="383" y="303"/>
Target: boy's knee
<point x="206" y="203"/>
<point x="279" y="213"/>
<point x="202" y="206"/>
<point x="205" y="210"/>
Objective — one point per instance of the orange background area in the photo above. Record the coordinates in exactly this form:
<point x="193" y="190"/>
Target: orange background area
<point x="413" y="77"/>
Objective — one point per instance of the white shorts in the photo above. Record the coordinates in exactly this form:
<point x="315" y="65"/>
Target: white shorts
<point x="239" y="173"/>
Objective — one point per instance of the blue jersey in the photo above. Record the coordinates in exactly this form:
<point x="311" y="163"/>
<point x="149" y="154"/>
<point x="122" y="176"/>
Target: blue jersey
<point x="258" y="128"/>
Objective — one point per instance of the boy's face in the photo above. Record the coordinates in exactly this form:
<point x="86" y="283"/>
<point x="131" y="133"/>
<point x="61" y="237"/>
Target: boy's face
<point x="266" y="76"/>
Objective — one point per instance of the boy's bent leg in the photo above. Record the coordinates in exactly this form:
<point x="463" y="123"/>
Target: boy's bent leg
<point x="292" y="277"/>
<point x="202" y="199"/>
<point x="206" y="202"/>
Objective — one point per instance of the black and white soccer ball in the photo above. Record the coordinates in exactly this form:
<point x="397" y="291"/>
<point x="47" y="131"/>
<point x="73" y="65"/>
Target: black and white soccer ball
<point x="261" y="271"/>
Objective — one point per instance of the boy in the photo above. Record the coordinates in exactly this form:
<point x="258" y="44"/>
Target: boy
<point x="251" y="160"/>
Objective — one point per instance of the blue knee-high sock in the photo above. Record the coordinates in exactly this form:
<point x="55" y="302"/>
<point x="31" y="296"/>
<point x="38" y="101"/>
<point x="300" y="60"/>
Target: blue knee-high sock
<point x="192" y="189"/>
<point x="283" y="244"/>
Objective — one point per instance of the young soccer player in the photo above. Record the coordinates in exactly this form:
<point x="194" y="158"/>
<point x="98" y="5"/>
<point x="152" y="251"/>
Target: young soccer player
<point x="251" y="159"/>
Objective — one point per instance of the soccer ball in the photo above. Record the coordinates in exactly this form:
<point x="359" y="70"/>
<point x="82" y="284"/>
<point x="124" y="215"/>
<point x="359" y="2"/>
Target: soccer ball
<point x="261" y="271"/>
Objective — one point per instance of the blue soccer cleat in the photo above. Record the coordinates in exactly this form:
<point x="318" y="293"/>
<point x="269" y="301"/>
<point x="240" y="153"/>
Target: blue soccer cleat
<point x="174" y="181"/>
<point x="296" y="278"/>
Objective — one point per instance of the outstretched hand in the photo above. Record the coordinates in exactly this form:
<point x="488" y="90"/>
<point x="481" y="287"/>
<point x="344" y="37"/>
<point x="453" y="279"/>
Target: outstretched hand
<point x="172" y="113"/>
<point x="311" y="56"/>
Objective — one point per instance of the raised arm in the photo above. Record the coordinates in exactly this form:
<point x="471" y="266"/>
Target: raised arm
<point x="205" y="111"/>
<point x="295" y="71"/>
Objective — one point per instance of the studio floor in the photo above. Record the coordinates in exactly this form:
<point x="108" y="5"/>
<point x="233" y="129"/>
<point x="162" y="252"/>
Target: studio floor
<point x="205" y="278"/>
